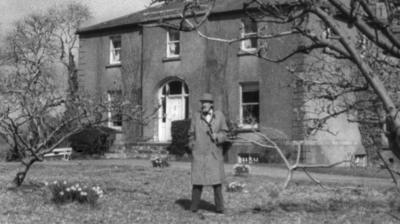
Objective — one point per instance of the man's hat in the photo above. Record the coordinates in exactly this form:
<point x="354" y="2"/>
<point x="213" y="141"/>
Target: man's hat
<point x="207" y="97"/>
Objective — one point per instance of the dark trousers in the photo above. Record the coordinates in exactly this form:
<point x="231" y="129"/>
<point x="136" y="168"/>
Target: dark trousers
<point x="218" y="198"/>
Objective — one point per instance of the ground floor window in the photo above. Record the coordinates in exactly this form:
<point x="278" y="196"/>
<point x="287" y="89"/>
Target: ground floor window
<point x="249" y="105"/>
<point x="114" y="114"/>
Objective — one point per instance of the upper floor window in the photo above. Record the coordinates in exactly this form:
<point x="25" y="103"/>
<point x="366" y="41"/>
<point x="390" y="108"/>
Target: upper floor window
<point x="381" y="11"/>
<point x="173" y="43"/>
<point x="249" y="31"/>
<point x="249" y="105"/>
<point x="114" y="114"/>
<point x="115" y="50"/>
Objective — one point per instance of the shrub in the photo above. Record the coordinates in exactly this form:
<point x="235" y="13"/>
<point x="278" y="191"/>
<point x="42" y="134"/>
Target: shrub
<point x="240" y="169"/>
<point x="93" y="140"/>
<point x="7" y="153"/>
<point x="64" y="192"/>
<point x="180" y="137"/>
<point x="159" y="160"/>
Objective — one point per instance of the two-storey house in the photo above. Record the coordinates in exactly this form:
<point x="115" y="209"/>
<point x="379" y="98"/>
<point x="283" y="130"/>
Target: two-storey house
<point x="155" y="67"/>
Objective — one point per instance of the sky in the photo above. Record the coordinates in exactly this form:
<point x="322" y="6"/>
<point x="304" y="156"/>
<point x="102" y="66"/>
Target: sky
<point x="102" y="10"/>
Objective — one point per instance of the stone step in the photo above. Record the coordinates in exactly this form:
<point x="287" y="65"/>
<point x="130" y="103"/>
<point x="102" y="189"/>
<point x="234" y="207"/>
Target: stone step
<point x="145" y="150"/>
<point x="115" y="155"/>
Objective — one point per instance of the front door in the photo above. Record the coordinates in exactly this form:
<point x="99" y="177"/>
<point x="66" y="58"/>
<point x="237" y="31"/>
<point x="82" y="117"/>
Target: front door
<point x="173" y="101"/>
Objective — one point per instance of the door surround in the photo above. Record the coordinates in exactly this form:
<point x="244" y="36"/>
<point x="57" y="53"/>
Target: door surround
<point x="173" y="99"/>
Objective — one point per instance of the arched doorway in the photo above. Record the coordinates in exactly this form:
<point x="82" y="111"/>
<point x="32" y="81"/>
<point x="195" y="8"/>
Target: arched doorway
<point x="174" y="101"/>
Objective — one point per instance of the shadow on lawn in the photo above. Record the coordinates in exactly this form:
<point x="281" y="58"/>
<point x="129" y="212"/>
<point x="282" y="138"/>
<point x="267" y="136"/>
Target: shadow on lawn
<point x="330" y="205"/>
<point x="204" y="205"/>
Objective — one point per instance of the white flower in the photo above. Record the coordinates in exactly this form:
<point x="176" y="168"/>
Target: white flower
<point x="68" y="189"/>
<point x="65" y="182"/>
<point x="55" y="182"/>
<point x="83" y="193"/>
<point x="46" y="183"/>
<point x="62" y="193"/>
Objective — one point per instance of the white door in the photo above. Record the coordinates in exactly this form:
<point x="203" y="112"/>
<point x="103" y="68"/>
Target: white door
<point x="172" y="99"/>
<point x="175" y="110"/>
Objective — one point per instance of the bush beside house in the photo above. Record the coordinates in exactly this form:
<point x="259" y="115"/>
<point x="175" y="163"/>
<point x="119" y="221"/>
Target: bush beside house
<point x="180" y="138"/>
<point x="94" y="140"/>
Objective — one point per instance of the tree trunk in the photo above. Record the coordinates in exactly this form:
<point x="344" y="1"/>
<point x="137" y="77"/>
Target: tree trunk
<point x="20" y="176"/>
<point x="373" y="80"/>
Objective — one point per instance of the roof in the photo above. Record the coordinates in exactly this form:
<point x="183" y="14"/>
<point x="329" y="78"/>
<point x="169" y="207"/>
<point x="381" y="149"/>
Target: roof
<point x="167" y="11"/>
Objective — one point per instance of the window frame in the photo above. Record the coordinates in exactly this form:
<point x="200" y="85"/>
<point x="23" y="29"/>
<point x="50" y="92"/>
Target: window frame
<point x="243" y="34"/>
<point x="110" y="112"/>
<point x="242" y="125"/>
<point x="113" y="60"/>
<point x="169" y="54"/>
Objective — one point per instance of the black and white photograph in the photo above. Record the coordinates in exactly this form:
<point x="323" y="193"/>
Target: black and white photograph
<point x="200" y="111"/>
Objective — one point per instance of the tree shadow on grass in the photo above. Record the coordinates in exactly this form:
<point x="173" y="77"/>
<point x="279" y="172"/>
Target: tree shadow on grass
<point x="204" y="205"/>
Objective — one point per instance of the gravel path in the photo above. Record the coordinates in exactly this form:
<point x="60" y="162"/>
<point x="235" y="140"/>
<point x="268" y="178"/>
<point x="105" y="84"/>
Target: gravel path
<point x="273" y="172"/>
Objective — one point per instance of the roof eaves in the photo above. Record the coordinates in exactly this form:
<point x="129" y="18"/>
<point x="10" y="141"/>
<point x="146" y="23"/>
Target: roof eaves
<point x="156" y="13"/>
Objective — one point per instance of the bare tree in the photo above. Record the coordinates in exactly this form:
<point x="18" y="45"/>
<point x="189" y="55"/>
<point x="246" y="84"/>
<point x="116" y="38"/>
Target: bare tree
<point x="32" y="114"/>
<point x="346" y="33"/>
<point x="67" y="19"/>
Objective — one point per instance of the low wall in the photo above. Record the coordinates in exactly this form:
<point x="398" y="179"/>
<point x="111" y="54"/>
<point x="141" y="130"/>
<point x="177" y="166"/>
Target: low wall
<point x="312" y="153"/>
<point x="326" y="152"/>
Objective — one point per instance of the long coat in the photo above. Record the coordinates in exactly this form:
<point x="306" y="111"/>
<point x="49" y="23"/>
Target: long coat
<point x="207" y="163"/>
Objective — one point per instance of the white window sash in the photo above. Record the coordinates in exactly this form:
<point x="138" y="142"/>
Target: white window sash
<point x="172" y="42"/>
<point x="115" y="52"/>
<point x="244" y="42"/>
<point x="110" y="121"/>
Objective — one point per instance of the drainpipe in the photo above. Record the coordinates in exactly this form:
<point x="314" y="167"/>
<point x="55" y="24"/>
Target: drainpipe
<point x="140" y="100"/>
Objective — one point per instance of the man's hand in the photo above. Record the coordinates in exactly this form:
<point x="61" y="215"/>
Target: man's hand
<point x="215" y="137"/>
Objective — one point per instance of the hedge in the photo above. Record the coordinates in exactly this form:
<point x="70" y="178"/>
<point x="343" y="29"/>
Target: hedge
<point x="180" y="137"/>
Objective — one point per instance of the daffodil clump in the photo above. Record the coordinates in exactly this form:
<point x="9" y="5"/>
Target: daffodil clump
<point x="64" y="192"/>
<point x="235" y="187"/>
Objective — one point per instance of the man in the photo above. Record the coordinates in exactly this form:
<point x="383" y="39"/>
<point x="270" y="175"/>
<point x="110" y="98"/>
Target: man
<point x="207" y="133"/>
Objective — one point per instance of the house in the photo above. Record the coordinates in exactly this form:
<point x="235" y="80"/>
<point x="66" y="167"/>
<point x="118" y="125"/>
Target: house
<point x="156" y="67"/>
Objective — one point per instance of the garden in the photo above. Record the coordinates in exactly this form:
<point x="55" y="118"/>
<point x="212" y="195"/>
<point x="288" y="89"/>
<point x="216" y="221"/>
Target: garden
<point x="135" y="191"/>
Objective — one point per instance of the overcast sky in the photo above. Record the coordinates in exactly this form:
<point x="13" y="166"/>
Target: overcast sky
<point x="12" y="10"/>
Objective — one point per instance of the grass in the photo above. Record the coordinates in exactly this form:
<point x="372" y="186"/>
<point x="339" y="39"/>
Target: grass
<point x="372" y="171"/>
<point x="142" y="194"/>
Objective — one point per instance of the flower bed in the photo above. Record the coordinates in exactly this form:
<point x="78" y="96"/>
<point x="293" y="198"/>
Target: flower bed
<point x="64" y="192"/>
<point x="235" y="187"/>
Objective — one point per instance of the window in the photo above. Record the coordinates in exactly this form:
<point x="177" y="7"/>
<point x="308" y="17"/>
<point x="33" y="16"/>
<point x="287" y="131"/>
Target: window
<point x="174" y="90"/>
<point x="115" y="50"/>
<point x="381" y="12"/>
<point x="114" y="115"/>
<point x="249" y="30"/>
<point x="173" y="43"/>
<point x="249" y="105"/>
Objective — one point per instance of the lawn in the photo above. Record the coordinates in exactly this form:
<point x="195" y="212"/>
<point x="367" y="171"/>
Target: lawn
<point x="142" y="194"/>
